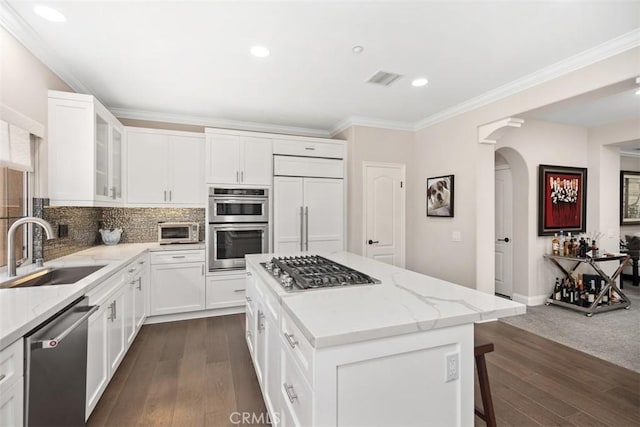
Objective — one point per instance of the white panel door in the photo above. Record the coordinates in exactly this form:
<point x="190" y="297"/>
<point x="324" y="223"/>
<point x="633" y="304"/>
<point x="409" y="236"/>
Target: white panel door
<point x="257" y="160"/>
<point x="147" y="174"/>
<point x="287" y="210"/>
<point x="324" y="214"/>
<point x="223" y="159"/>
<point x="12" y="405"/>
<point x="504" y="233"/>
<point x="177" y="288"/>
<point x="115" y="160"/>
<point x="187" y="175"/>
<point x="384" y="213"/>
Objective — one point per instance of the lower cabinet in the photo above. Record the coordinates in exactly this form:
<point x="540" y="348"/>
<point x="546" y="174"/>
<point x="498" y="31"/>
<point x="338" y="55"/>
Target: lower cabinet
<point x="226" y="289"/>
<point x="177" y="282"/>
<point x="111" y="329"/>
<point x="12" y="385"/>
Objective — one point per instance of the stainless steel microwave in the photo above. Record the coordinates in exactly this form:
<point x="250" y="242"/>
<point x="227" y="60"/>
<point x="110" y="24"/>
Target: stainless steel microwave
<point x="178" y="232"/>
<point x="234" y="205"/>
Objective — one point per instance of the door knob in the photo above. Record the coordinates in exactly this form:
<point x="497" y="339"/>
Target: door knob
<point x="506" y="240"/>
<point x="371" y="242"/>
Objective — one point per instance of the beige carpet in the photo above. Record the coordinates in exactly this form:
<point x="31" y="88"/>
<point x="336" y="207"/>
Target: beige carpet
<point x="613" y="336"/>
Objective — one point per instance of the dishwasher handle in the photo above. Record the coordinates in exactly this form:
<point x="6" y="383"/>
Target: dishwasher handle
<point x="53" y="342"/>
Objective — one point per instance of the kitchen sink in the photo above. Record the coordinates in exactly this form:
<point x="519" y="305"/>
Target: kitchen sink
<point x="52" y="276"/>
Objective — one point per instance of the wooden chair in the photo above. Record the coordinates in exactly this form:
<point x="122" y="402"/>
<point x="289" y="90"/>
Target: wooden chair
<point x="487" y="414"/>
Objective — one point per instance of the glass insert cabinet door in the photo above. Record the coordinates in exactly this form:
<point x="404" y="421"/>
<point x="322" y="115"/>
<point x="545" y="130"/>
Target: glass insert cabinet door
<point x="102" y="157"/>
<point x="116" y="164"/>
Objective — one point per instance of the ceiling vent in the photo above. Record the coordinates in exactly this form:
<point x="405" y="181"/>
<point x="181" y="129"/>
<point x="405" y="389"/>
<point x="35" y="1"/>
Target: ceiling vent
<point x="383" y="78"/>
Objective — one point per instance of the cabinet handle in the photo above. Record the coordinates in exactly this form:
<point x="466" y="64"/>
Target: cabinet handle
<point x="111" y="312"/>
<point x="241" y="176"/>
<point x="140" y="262"/>
<point x="3" y="376"/>
<point x="132" y="282"/>
<point x="139" y="283"/>
<point x="165" y="195"/>
<point x="301" y="228"/>
<point x="248" y="273"/>
<point x="306" y="227"/>
<point x="131" y="270"/>
<point x="203" y="269"/>
<point x="292" y="342"/>
<point x="238" y="290"/>
<point x="237" y="177"/>
<point x="105" y="191"/>
<point x="260" y="324"/>
<point x="113" y="193"/>
<point x="170" y="195"/>
<point x="248" y="299"/>
<point x="115" y="310"/>
<point x="290" y="393"/>
<point x="179" y="256"/>
<point x="309" y="148"/>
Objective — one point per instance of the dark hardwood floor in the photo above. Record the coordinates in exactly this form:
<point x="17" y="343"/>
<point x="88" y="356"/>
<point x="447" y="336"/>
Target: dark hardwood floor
<point x="198" y="372"/>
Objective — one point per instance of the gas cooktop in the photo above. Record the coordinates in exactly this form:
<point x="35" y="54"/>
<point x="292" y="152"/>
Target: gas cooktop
<point x="313" y="272"/>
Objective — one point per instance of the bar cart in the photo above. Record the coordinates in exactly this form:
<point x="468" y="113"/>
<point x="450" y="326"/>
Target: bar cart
<point x="623" y="301"/>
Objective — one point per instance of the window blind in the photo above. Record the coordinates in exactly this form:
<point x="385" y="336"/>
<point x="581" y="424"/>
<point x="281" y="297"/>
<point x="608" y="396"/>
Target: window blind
<point x="15" y="147"/>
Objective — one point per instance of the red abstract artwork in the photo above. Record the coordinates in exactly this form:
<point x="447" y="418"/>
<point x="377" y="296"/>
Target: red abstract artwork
<point x="562" y="199"/>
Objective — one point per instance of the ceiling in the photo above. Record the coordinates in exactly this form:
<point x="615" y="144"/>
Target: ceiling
<point x="190" y="60"/>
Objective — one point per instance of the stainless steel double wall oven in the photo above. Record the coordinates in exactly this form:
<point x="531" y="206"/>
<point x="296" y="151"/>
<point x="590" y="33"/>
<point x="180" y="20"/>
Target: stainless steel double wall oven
<point x="238" y="225"/>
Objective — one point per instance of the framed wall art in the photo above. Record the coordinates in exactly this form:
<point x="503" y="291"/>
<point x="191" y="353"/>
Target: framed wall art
<point x="440" y="196"/>
<point x="629" y="198"/>
<point x="562" y="199"/>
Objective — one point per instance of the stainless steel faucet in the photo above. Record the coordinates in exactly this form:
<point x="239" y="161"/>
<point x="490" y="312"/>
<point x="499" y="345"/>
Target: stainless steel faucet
<point x="11" y="252"/>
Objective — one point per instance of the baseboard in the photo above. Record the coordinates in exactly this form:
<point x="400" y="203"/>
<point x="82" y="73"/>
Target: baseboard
<point x="176" y="317"/>
<point x="530" y="301"/>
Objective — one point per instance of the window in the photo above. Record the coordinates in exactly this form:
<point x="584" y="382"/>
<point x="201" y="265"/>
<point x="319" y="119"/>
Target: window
<point x="13" y="205"/>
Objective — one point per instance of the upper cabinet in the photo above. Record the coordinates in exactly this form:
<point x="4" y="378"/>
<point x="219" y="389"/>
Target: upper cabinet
<point x="84" y="152"/>
<point x="238" y="159"/>
<point x="165" y="168"/>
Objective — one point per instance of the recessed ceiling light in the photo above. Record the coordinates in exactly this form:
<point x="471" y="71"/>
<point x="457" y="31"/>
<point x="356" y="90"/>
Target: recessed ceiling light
<point x="419" y="82"/>
<point x="49" y="14"/>
<point x="259" y="51"/>
<point x="357" y="49"/>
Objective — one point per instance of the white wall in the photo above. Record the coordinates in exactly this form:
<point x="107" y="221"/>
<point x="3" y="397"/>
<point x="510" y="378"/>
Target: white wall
<point x="24" y="84"/>
<point x="552" y="144"/>
<point x="372" y="145"/>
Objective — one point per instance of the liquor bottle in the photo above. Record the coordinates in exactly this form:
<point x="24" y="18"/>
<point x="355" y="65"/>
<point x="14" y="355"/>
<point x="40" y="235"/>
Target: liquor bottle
<point x="592" y="292"/>
<point x="576" y="294"/>
<point x="557" y="292"/>
<point x="605" y="296"/>
<point x="565" y="248"/>
<point x="563" y="290"/>
<point x="594" y="249"/>
<point x="570" y="288"/>
<point x="555" y="245"/>
<point x="574" y="247"/>
<point x="583" y="296"/>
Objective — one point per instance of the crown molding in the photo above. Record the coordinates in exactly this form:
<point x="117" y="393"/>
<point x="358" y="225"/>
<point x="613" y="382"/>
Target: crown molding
<point x="18" y="28"/>
<point x="126" y="113"/>
<point x="371" y="122"/>
<point x="629" y="153"/>
<point x="588" y="57"/>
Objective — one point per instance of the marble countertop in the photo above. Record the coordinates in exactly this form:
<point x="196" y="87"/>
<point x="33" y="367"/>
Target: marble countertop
<point x="405" y="302"/>
<point x="22" y="309"/>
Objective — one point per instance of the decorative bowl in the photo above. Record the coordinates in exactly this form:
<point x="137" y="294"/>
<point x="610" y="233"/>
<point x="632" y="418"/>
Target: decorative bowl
<point x="111" y="237"/>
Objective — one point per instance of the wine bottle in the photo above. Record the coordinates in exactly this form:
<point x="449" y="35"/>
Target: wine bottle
<point x="605" y="296"/>
<point x="555" y="245"/>
<point x="557" y="292"/>
<point x="563" y="289"/>
<point x="592" y="292"/>
<point x="572" y="299"/>
<point x="583" y="295"/>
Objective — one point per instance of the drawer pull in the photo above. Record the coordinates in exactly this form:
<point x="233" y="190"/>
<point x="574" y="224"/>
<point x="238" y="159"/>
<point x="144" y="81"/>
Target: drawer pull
<point x="140" y="262"/>
<point x="248" y="299"/>
<point x="131" y="270"/>
<point x="292" y="342"/>
<point x="3" y="376"/>
<point x="179" y="256"/>
<point x="238" y="290"/>
<point x="248" y="273"/>
<point x="132" y="282"/>
<point x="309" y="148"/>
<point x="290" y="393"/>
<point x="260" y="322"/>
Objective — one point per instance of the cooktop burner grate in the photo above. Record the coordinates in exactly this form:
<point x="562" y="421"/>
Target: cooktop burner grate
<point x="314" y="271"/>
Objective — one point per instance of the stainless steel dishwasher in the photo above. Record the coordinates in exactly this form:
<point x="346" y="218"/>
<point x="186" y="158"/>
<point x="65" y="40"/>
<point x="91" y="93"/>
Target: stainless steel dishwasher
<point x="56" y="368"/>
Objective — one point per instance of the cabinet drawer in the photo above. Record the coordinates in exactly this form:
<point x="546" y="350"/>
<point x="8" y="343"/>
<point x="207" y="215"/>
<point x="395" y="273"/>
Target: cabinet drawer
<point x="297" y="346"/>
<point x="103" y="291"/>
<point x="11" y="365"/>
<point x="171" y="257"/>
<point x="304" y="166"/>
<point x="269" y="300"/>
<point x="309" y="149"/>
<point x="296" y="394"/>
<point x="136" y="267"/>
<point x="226" y="290"/>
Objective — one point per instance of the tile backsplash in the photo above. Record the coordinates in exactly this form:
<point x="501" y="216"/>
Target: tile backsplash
<point x="138" y="224"/>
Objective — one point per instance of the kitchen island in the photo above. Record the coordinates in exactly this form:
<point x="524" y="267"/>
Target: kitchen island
<point x="395" y="353"/>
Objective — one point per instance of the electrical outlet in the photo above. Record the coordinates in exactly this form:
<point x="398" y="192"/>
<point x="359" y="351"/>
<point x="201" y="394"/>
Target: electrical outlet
<point x="452" y="367"/>
<point x="456" y="236"/>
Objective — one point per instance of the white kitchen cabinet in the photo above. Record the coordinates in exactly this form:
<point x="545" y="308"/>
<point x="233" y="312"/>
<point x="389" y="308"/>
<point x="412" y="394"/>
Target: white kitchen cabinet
<point x="238" y="159"/>
<point x="308" y="214"/>
<point x="141" y="297"/>
<point x="177" y="282"/>
<point x="97" y="357"/>
<point x="130" y="311"/>
<point x="117" y="330"/>
<point x="85" y="152"/>
<point x="226" y="289"/>
<point x="12" y="384"/>
<point x="165" y="168"/>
